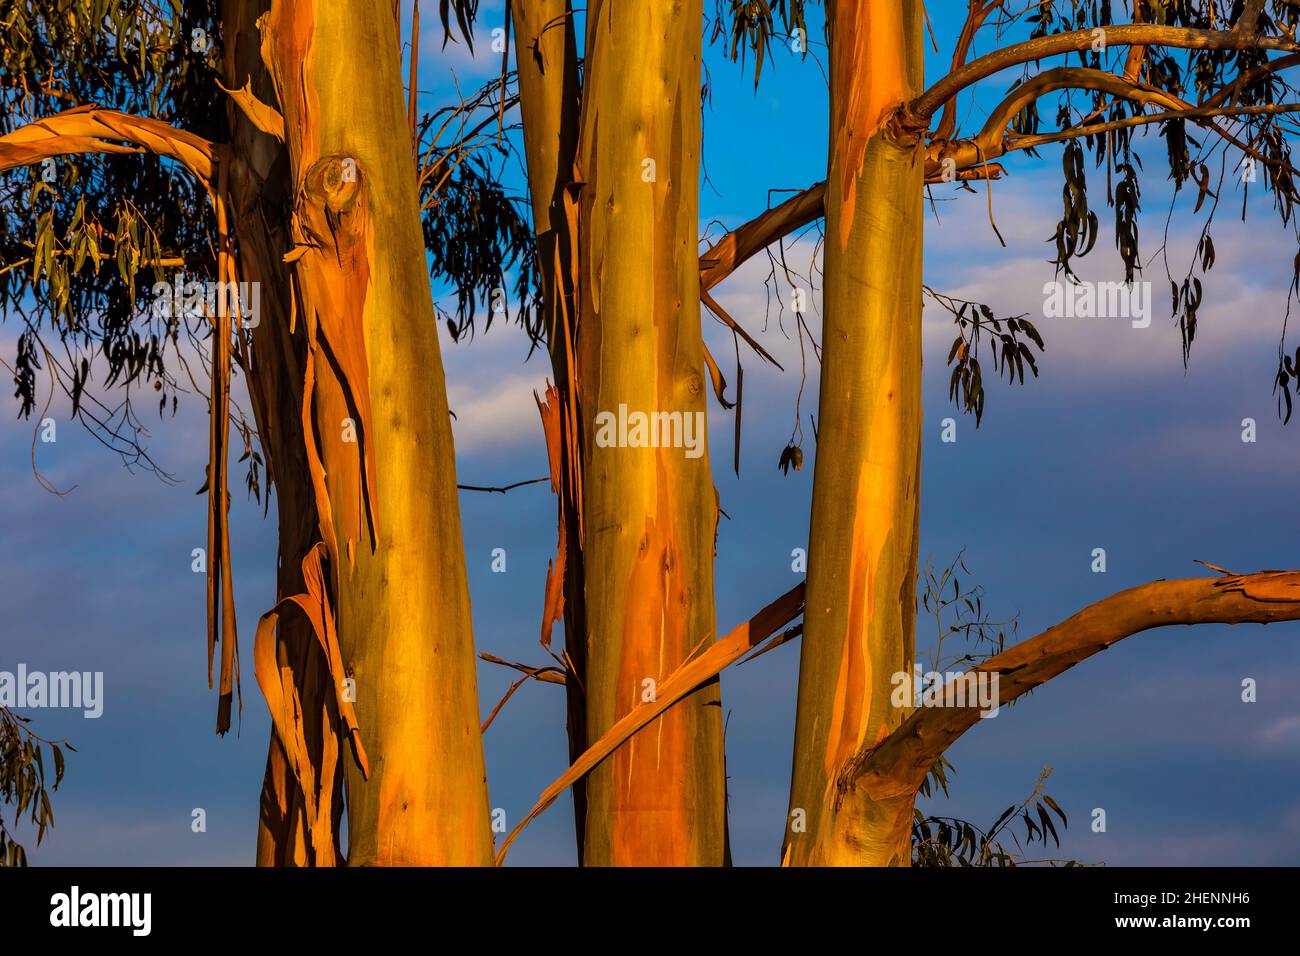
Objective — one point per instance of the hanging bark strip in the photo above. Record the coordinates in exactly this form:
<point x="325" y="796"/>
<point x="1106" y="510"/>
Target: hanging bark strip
<point x="221" y="595"/>
<point x="696" y="671"/>
<point x="552" y="425"/>
<point x="89" y="129"/>
<point x="279" y="685"/>
<point x="259" y="198"/>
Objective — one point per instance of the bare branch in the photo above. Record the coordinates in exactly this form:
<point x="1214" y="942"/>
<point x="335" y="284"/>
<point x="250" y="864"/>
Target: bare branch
<point x="728" y="253"/>
<point x="991" y="141"/>
<point x="547" y="675"/>
<point x="901" y="761"/>
<point x="502" y="489"/>
<point x="1038" y="139"/>
<point x="975" y="18"/>
<point x="731" y="251"/>
<point x="1248" y="22"/>
<point x="919" y="111"/>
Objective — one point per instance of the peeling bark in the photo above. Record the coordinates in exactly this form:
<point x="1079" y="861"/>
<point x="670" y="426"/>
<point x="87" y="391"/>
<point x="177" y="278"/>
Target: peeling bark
<point x="260" y="195"/>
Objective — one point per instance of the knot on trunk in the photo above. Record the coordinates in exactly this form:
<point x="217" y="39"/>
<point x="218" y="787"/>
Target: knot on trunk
<point x="904" y="127"/>
<point x="334" y="182"/>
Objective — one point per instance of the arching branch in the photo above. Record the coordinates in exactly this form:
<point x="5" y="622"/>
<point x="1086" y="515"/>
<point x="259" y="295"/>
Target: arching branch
<point x="901" y="761"/>
<point x="991" y="141"/>
<point x="93" y="129"/>
<point x="1194" y="114"/>
<point x="919" y="111"/>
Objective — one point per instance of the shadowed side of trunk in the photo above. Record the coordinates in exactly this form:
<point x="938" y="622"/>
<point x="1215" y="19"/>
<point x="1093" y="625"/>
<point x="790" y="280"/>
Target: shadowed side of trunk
<point x="260" y="196"/>
<point x="547" y="63"/>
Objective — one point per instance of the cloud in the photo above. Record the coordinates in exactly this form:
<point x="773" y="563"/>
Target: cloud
<point x="490" y="390"/>
<point x="1282" y="733"/>
<point x="499" y="419"/>
<point x="1242" y="312"/>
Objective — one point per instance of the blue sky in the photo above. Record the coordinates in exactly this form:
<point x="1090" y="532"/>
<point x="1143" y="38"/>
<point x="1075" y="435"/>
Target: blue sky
<point x="1115" y="445"/>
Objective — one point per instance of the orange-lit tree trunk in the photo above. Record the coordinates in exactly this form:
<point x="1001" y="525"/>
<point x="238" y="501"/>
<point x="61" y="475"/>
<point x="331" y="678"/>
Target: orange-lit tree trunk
<point x="858" y="628"/>
<point x="379" y="443"/>
<point x="649" y="515"/>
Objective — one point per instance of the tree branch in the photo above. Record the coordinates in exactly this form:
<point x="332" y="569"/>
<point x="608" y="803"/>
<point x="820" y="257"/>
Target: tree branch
<point x="546" y="675"/>
<point x="1249" y="19"/>
<point x="726" y="255"/>
<point x="901" y="762"/>
<point x="93" y="129"/>
<point x="1246" y="78"/>
<point x="991" y="141"/>
<point x="731" y="251"/>
<point x="975" y="18"/>
<point x="1200" y="112"/>
<point x="502" y="489"/>
<point x="923" y="107"/>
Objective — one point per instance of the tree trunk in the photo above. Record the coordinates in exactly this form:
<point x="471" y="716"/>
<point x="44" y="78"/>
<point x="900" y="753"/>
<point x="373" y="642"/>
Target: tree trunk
<point x="858" y="627"/>
<point x="380" y="445"/>
<point x="649" y="514"/>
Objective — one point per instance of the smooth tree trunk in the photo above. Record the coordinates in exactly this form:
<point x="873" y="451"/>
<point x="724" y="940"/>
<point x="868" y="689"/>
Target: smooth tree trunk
<point x="859" y="622"/>
<point x="380" y="444"/>
<point x="649" y="514"/>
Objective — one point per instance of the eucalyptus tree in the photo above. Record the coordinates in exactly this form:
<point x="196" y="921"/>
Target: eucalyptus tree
<point x="273" y="144"/>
